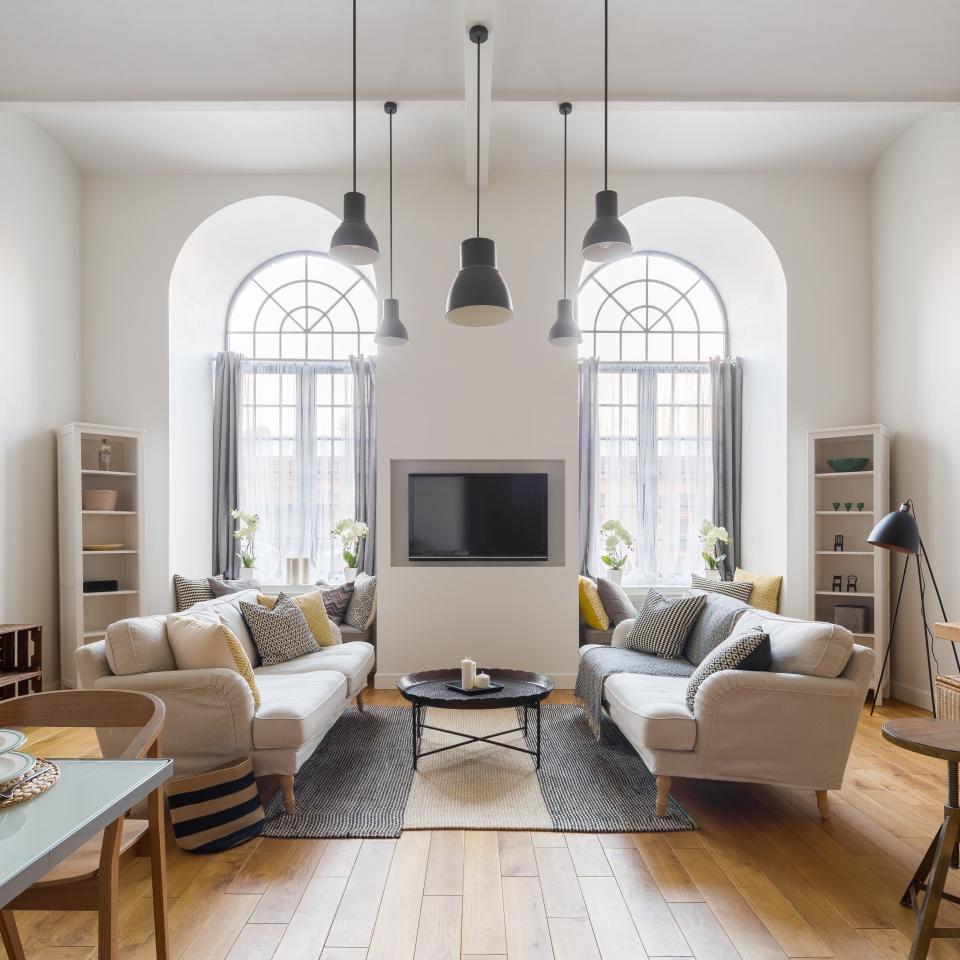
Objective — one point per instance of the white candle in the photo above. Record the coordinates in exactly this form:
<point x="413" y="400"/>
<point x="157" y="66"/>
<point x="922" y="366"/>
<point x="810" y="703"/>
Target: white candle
<point x="291" y="570"/>
<point x="468" y="673"/>
<point x="482" y="681"/>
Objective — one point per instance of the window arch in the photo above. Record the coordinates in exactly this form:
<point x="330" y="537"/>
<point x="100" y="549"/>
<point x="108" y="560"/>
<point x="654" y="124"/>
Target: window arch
<point x="303" y="306"/>
<point x="652" y="307"/>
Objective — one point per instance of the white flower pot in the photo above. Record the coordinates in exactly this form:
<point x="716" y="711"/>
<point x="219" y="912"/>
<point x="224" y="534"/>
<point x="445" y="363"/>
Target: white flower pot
<point x="246" y="573"/>
<point x="712" y="574"/>
<point x="615" y="576"/>
<point x="349" y="574"/>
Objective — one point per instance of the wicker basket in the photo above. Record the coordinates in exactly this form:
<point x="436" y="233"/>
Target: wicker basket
<point x="948" y="698"/>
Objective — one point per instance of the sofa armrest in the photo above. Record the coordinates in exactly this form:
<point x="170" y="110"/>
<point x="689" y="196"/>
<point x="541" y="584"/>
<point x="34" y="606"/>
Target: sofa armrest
<point x="209" y="716"/>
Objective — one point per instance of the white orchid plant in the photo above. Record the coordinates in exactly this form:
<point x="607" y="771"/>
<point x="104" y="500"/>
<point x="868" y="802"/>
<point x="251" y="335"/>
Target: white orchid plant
<point x="617" y="542"/>
<point x="246" y="535"/>
<point x="350" y="533"/>
<point x="711" y="536"/>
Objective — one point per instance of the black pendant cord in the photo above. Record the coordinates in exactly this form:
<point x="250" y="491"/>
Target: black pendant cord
<point x="390" y="202"/>
<point x="478" y="139"/>
<point x="354" y="96"/>
<point x="564" y="257"/>
<point x="606" y="97"/>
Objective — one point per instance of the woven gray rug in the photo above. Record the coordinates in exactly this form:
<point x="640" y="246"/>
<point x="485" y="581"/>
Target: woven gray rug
<point x="360" y="781"/>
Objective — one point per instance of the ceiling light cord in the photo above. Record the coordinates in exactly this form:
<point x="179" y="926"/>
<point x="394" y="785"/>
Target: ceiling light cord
<point x="564" y="256"/>
<point x="390" y="202"/>
<point x="478" y="139"/>
<point x="606" y="34"/>
<point x="354" y="96"/>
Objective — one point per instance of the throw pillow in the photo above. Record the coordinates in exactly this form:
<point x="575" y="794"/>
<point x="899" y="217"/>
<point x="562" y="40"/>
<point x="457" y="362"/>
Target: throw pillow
<point x="200" y="641"/>
<point x="766" y="589"/>
<point x="362" y="609"/>
<point x="739" y="591"/>
<point x="188" y="592"/>
<point x="336" y="599"/>
<point x="617" y="604"/>
<point x="662" y="625"/>
<point x="591" y="606"/>
<point x="749" y="650"/>
<point x="281" y="634"/>
<point x="223" y="588"/>
<point x="717" y="621"/>
<point x="315" y="613"/>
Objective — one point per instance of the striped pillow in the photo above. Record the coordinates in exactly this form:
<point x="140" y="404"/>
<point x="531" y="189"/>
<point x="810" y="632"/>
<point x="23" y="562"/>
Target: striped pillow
<point x="739" y="591"/>
<point x="188" y="592"/>
<point x="662" y="625"/>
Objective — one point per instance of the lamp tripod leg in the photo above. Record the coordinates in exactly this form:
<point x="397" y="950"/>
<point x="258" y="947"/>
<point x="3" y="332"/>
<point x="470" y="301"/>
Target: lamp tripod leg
<point x="893" y="624"/>
<point x="926" y="638"/>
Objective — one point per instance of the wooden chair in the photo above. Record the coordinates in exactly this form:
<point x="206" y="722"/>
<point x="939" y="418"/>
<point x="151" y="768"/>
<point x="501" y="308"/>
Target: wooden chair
<point x="89" y="878"/>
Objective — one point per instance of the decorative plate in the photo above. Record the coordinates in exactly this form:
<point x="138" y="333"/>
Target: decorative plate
<point x="11" y="739"/>
<point x="103" y="546"/>
<point x="13" y="765"/>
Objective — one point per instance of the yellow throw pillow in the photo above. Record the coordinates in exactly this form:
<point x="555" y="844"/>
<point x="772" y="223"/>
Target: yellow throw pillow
<point x="314" y="611"/>
<point x="766" y="590"/>
<point x="591" y="606"/>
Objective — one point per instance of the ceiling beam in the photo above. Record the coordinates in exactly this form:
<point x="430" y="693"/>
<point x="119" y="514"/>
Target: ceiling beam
<point x="477" y="11"/>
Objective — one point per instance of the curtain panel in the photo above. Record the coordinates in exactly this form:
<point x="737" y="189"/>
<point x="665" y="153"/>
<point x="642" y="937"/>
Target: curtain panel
<point x="726" y="376"/>
<point x="226" y="474"/>
<point x="589" y="494"/>
<point x="365" y="455"/>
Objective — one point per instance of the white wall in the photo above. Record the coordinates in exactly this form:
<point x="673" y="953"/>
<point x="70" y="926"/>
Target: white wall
<point x="39" y="369"/>
<point x="497" y="393"/>
<point x="916" y="294"/>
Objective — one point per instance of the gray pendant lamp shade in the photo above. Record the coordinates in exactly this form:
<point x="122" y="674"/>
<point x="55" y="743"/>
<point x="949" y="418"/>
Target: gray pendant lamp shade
<point x="390" y="330"/>
<point x="606" y="238"/>
<point x="565" y="331"/>
<point x="353" y="242"/>
<point x="478" y="296"/>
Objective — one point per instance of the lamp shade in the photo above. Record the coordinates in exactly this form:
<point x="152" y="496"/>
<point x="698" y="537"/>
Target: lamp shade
<point x="353" y="242"/>
<point x="390" y="330"/>
<point x="478" y="296"/>
<point x="897" y="531"/>
<point x="606" y="238"/>
<point x="565" y="331"/>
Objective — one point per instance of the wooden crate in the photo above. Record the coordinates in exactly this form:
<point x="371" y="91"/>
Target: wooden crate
<point x="21" y="670"/>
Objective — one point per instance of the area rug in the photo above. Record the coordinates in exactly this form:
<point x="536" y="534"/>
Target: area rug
<point x="360" y="782"/>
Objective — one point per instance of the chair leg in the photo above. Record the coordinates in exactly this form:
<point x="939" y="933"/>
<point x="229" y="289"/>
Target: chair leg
<point x="10" y="936"/>
<point x="823" y="804"/>
<point x="286" y="785"/>
<point x="158" y="873"/>
<point x="361" y="706"/>
<point x="108" y="912"/>
<point x="663" y="794"/>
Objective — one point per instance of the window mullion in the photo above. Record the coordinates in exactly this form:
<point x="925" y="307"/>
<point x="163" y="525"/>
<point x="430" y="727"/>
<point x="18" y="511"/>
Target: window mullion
<point x="305" y="462"/>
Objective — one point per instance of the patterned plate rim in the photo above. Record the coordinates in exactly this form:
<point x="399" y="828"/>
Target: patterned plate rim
<point x="19" y="739"/>
<point x="8" y="782"/>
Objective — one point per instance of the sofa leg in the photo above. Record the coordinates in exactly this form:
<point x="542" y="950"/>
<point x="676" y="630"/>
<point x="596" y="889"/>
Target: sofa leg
<point x="823" y="804"/>
<point x="663" y="795"/>
<point x="286" y="785"/>
<point x="360" y="703"/>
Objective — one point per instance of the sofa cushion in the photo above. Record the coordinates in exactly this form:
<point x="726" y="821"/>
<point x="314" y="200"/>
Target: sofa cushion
<point x="766" y="589"/>
<point x="281" y="633"/>
<point x="745" y="650"/>
<point x="223" y="588"/>
<point x="802" y="646"/>
<point x="662" y="624"/>
<point x="591" y="606"/>
<point x="715" y="623"/>
<point x="139" y="645"/>
<point x="228" y="610"/>
<point x="295" y="709"/>
<point x="651" y="711"/>
<point x="336" y="599"/>
<point x="314" y="610"/>
<point x="353" y="660"/>
<point x="362" y="608"/>
<point x="618" y="605"/>
<point x="739" y="591"/>
<point x="188" y="592"/>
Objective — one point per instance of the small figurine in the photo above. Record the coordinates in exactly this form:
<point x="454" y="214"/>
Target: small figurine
<point x="851" y="584"/>
<point x="837" y="583"/>
<point x="105" y="454"/>
<point x="838" y="543"/>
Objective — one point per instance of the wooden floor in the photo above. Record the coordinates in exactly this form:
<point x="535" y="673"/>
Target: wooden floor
<point x="764" y="877"/>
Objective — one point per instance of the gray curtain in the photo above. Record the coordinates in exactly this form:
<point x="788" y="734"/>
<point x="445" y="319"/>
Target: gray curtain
<point x="589" y="438"/>
<point x="726" y="376"/>
<point x="226" y="473"/>
<point x="647" y="469"/>
<point x="365" y="454"/>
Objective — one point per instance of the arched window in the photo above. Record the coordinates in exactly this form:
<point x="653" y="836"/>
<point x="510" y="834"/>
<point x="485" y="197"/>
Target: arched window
<point x="652" y="322"/>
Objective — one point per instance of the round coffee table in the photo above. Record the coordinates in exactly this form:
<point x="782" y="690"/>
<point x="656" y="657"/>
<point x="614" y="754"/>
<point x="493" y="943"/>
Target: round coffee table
<point x="429" y="688"/>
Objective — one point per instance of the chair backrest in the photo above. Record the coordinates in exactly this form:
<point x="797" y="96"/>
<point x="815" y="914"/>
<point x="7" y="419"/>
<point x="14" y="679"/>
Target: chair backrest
<point x="90" y="708"/>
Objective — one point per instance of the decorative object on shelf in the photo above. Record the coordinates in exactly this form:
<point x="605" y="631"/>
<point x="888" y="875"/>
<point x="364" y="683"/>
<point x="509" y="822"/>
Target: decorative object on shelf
<point x="478" y="296"/>
<point x="390" y="330"/>
<point x="101" y="500"/>
<point x="836" y="504"/>
<point x="565" y="331"/>
<point x="101" y="586"/>
<point x="848" y="464"/>
<point x="104" y="454"/>
<point x="606" y="238"/>
<point x="711" y="536"/>
<point x="838" y="543"/>
<point x="837" y="584"/>
<point x="618" y="543"/>
<point x="468" y="673"/>
<point x="245" y="536"/>
<point x="848" y="506"/>
<point x="860" y="505"/>
<point x="851" y="616"/>
<point x="350" y="533"/>
<point x="851" y="584"/>
<point x="101" y="547"/>
<point x="899" y="532"/>
<point x="353" y="242"/>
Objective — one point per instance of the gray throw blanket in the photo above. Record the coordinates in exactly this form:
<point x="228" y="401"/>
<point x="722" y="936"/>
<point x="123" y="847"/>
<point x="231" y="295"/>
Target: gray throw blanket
<point x="601" y="662"/>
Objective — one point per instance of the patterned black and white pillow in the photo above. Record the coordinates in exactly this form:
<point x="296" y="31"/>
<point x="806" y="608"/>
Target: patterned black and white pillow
<point x="362" y="609"/>
<point x="336" y="599"/>
<point x="749" y="650"/>
<point x="188" y="592"/>
<point x="281" y="634"/>
<point x="662" y="625"/>
<point x="726" y="587"/>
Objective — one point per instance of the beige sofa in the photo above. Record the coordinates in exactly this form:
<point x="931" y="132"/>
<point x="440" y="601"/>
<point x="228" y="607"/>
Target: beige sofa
<point x="210" y="716"/>
<point x="790" y="726"/>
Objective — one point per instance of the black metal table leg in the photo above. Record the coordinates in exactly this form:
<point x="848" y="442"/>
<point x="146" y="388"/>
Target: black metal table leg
<point x="538" y="734"/>
<point x="416" y="734"/>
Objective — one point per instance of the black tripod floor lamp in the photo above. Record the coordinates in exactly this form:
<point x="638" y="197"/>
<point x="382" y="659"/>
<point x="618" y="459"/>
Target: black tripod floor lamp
<point x="899" y="533"/>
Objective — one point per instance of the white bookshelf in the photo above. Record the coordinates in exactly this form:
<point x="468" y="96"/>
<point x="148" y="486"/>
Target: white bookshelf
<point x="85" y="615"/>
<point x="871" y="566"/>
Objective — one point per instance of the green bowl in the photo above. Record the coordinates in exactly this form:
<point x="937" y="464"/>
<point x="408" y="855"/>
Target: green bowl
<point x="849" y="464"/>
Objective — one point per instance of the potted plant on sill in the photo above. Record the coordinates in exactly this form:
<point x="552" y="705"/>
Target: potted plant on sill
<point x="711" y="536"/>
<point x="350" y="533"/>
<point x="246" y="535"/>
<point x="618" y="543"/>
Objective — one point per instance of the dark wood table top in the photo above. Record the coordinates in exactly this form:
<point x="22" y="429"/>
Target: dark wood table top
<point x="933" y="738"/>
<point x="428" y="688"/>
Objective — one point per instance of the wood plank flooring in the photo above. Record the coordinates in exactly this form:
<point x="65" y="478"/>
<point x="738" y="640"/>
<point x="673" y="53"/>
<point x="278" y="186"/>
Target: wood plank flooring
<point x="763" y="879"/>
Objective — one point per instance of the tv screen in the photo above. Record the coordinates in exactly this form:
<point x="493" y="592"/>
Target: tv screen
<point x="478" y="516"/>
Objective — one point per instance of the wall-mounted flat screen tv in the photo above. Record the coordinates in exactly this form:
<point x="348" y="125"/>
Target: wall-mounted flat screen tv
<point x="478" y="516"/>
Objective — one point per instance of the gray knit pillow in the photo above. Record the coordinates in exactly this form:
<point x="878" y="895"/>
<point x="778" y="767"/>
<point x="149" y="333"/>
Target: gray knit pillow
<point x="749" y="650"/>
<point x="362" y="609"/>
<point x="662" y="625"/>
<point x="281" y="634"/>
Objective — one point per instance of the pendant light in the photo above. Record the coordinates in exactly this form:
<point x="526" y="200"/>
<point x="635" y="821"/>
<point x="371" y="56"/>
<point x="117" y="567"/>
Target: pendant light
<point x="565" y="332"/>
<point x="353" y="242"/>
<point x="390" y="330"/>
<point x="607" y="238"/>
<point x="478" y="296"/>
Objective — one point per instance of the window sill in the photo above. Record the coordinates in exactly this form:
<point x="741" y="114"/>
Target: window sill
<point x="640" y="590"/>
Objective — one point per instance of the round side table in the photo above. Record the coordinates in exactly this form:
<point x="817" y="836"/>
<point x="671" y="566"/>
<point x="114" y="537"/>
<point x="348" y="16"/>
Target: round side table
<point x="941" y="739"/>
